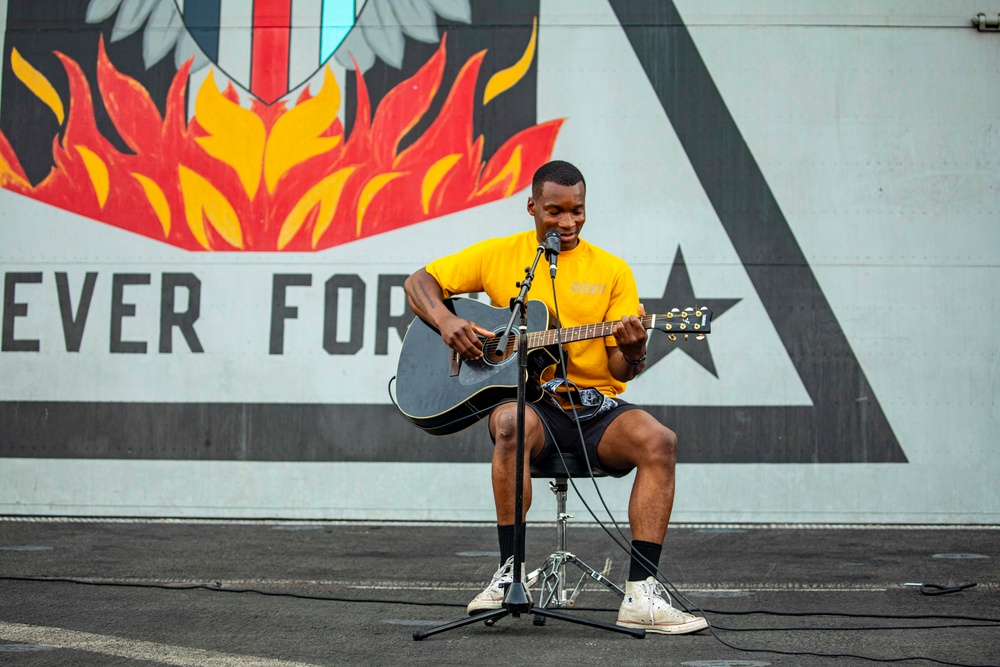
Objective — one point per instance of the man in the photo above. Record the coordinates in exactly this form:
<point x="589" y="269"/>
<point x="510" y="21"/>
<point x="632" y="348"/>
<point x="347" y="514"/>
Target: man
<point x="592" y="286"/>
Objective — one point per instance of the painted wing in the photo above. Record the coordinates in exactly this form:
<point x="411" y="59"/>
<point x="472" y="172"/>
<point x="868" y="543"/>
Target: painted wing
<point x="162" y="25"/>
<point x="378" y="33"/>
<point x="382" y="25"/>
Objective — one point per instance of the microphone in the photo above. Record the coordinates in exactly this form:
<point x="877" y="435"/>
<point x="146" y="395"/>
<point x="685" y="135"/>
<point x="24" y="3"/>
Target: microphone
<point x="552" y="246"/>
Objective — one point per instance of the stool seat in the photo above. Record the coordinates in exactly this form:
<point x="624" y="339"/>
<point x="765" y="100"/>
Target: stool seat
<point x="553" y="466"/>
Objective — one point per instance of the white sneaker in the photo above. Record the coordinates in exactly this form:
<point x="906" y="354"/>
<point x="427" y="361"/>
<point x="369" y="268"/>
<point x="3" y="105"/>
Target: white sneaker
<point x="644" y="607"/>
<point x="491" y="599"/>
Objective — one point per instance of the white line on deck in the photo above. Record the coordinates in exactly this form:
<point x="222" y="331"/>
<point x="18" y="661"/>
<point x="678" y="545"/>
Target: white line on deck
<point x="134" y="649"/>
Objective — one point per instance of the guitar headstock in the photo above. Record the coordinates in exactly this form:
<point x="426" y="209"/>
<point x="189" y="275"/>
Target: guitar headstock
<point x="686" y="322"/>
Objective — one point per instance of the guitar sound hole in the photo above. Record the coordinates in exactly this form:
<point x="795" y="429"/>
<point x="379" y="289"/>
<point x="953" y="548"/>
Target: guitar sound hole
<point x="494" y="355"/>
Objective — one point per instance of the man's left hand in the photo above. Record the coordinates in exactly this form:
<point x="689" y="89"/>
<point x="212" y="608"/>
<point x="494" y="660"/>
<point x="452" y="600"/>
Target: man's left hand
<point x="631" y="335"/>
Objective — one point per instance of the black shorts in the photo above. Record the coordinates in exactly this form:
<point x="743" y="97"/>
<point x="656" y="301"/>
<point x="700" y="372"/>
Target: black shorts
<point x="561" y="433"/>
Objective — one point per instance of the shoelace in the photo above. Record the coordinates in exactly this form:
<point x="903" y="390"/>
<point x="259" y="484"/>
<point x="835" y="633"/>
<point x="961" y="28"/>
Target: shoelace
<point x="504" y="571"/>
<point x="657" y="591"/>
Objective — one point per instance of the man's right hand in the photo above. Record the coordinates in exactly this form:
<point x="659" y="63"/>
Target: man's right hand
<point x="463" y="336"/>
<point x="424" y="296"/>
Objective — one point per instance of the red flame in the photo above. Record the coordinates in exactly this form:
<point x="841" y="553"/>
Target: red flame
<point x="173" y="189"/>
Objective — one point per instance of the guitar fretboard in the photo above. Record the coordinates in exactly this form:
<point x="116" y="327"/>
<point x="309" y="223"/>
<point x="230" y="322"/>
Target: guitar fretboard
<point x="676" y="322"/>
<point x="573" y="334"/>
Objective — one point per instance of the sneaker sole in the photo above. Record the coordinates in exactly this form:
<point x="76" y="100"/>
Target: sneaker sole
<point x="482" y="609"/>
<point x="678" y="629"/>
<point x="475" y="611"/>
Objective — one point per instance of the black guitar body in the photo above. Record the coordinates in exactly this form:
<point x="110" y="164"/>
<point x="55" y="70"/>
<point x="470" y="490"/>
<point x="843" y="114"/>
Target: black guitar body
<point x="443" y="395"/>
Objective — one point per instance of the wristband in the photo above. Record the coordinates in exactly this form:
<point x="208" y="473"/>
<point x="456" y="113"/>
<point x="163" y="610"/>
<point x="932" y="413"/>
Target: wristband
<point x="637" y="361"/>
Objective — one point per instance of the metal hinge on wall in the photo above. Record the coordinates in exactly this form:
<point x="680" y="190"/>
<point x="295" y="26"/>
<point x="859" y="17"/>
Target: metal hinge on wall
<point x="984" y="23"/>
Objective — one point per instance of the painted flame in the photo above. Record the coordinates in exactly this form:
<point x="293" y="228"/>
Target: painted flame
<point x="269" y="178"/>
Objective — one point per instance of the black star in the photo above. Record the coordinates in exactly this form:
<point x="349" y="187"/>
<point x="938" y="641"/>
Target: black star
<point x="679" y="294"/>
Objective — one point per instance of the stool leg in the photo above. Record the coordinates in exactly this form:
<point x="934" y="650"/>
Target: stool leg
<point x="552" y="574"/>
<point x="562" y="519"/>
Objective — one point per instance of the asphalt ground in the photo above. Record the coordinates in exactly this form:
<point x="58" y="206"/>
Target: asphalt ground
<point x="334" y="593"/>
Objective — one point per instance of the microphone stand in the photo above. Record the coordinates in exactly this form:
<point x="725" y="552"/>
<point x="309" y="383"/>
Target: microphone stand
<point x="516" y="600"/>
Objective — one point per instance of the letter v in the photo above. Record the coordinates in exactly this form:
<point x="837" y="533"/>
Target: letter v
<point x="73" y="326"/>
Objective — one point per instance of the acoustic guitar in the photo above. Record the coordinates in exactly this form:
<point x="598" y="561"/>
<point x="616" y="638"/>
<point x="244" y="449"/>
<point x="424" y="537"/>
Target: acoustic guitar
<point x="442" y="393"/>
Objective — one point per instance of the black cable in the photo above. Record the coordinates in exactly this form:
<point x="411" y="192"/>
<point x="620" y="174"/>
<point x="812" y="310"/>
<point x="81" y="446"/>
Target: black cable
<point x="624" y="545"/>
<point x="844" y="614"/>
<point x="843" y="628"/>
<point x="221" y="589"/>
<point x="850" y="614"/>
<point x="937" y="589"/>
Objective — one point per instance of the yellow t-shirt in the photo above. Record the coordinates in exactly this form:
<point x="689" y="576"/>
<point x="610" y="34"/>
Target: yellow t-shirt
<point x="592" y="286"/>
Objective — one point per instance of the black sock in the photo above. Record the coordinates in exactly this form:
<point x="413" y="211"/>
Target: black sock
<point x="506" y="536"/>
<point x="645" y="560"/>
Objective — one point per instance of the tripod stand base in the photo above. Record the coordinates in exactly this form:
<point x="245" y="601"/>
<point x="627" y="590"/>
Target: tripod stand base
<point x="556" y="591"/>
<point x="495" y="616"/>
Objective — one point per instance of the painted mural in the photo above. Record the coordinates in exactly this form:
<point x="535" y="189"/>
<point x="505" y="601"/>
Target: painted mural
<point x="209" y="208"/>
<point x="262" y="161"/>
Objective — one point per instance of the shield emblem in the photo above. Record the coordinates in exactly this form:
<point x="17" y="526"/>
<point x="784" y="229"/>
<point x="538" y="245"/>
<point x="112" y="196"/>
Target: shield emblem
<point x="269" y="46"/>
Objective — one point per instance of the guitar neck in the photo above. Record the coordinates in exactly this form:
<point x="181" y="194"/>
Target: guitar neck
<point x="582" y="332"/>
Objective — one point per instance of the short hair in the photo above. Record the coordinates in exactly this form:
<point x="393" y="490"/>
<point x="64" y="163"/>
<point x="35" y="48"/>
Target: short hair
<point x="558" y="172"/>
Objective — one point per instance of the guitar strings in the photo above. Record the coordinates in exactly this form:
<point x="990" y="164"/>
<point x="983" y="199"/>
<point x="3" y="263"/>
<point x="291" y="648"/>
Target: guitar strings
<point x="490" y="345"/>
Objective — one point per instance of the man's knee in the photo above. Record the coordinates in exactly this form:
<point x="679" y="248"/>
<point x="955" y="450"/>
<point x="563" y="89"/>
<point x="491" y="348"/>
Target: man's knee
<point x="669" y="446"/>
<point x="659" y="448"/>
<point x="503" y="425"/>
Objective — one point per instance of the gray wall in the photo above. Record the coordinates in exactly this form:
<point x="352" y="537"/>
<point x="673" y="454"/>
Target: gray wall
<point x="823" y="175"/>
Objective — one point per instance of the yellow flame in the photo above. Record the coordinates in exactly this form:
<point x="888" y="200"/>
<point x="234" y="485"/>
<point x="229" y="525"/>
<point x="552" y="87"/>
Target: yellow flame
<point x="297" y="134"/>
<point x="433" y="178"/>
<point x="37" y="83"/>
<point x="156" y="198"/>
<point x="333" y="196"/>
<point x="511" y="170"/>
<point x="8" y="176"/>
<point x="236" y="135"/>
<point x="98" y="172"/>
<point x="201" y="201"/>
<point x="505" y="79"/>
<point x="325" y="194"/>
<point x="371" y="189"/>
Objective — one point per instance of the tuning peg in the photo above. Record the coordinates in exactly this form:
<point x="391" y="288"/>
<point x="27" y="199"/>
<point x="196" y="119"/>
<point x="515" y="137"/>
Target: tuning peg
<point x="697" y="326"/>
<point x="700" y="337"/>
<point x="697" y="313"/>
<point x="669" y="326"/>
<point x="672" y="336"/>
<point x="685" y="336"/>
<point x="688" y="310"/>
<point x="684" y="326"/>
<point x="675" y="310"/>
